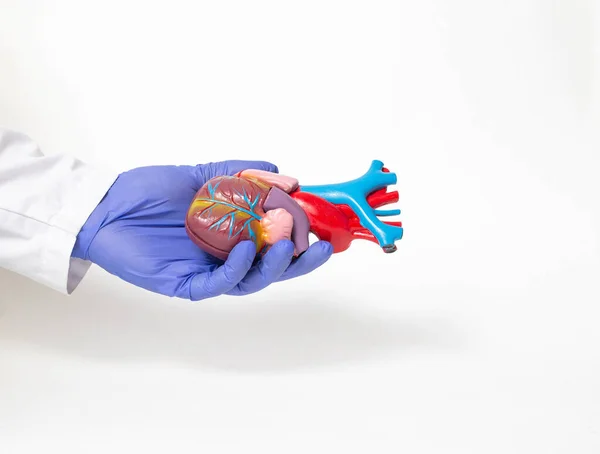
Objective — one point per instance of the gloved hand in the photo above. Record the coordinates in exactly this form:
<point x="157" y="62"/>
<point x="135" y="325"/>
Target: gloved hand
<point x="137" y="233"/>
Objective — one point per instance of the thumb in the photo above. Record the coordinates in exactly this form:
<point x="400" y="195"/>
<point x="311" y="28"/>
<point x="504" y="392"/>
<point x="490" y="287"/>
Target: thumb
<point x="216" y="169"/>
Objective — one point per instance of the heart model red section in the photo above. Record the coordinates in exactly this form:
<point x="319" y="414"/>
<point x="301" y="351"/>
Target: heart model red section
<point x="339" y="224"/>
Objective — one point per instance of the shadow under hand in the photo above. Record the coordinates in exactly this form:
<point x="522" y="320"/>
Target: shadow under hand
<point x="252" y="334"/>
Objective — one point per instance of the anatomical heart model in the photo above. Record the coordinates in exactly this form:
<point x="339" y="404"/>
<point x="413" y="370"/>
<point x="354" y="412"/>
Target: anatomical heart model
<point x="266" y="207"/>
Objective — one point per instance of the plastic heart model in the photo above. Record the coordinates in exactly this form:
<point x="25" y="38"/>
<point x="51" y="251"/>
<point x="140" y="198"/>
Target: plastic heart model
<point x="266" y="207"/>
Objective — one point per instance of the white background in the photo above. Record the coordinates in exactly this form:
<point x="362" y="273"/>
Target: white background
<point x="480" y="335"/>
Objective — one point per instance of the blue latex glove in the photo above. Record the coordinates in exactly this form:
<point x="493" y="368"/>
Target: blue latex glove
<point x="137" y="233"/>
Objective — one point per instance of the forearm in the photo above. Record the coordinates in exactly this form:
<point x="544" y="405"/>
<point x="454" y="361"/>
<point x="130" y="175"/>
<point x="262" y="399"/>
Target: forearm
<point x="44" y="202"/>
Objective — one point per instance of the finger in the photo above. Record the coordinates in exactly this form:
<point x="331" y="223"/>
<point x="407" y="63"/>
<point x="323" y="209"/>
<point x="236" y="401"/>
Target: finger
<point x="233" y="167"/>
<point x="227" y="276"/>
<point x="215" y="169"/>
<point x="268" y="270"/>
<point x="315" y="256"/>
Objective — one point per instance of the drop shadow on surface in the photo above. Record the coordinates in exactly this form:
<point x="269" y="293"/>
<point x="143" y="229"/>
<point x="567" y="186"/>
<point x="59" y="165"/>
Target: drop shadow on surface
<point x="118" y="323"/>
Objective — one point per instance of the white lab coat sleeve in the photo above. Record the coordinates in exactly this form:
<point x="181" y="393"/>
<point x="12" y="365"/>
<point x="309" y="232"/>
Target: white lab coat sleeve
<point x="44" y="202"/>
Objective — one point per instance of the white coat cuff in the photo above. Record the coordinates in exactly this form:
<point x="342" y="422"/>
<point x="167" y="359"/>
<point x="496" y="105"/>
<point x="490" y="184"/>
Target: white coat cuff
<point x="88" y="188"/>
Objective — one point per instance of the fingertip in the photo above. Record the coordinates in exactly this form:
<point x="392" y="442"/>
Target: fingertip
<point x="263" y="165"/>
<point x="234" y="167"/>
<point x="314" y="257"/>
<point x="270" y="167"/>
<point x="322" y="249"/>
<point x="326" y="247"/>
<point x="324" y="253"/>
<point x="283" y="250"/>
<point x="286" y="247"/>
<point x="207" y="171"/>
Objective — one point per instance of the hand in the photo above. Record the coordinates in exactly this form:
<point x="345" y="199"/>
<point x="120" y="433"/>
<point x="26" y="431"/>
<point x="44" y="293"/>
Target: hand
<point x="138" y="233"/>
